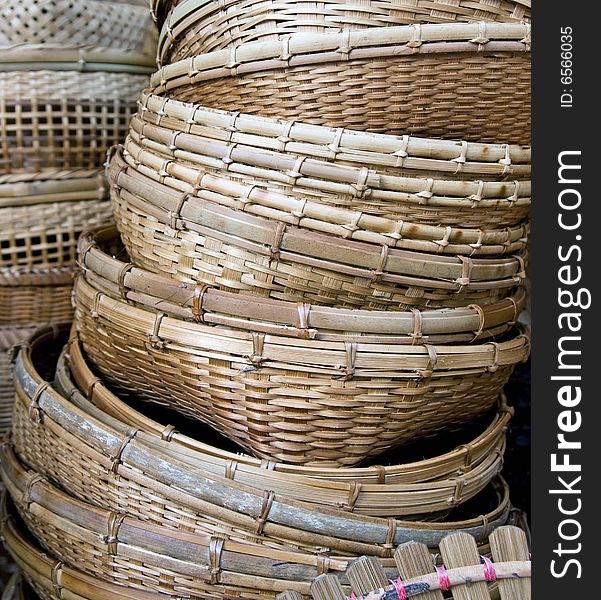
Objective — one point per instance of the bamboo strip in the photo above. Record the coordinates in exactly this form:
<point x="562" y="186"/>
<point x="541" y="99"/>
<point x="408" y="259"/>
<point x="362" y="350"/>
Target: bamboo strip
<point x="509" y="544"/>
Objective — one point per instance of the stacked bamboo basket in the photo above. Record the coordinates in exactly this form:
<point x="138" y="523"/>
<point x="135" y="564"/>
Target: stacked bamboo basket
<point x="291" y="350"/>
<point x="70" y="73"/>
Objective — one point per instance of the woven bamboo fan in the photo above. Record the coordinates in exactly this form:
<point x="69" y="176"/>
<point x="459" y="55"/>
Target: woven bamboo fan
<point x="197" y="240"/>
<point x="198" y="26"/>
<point x="371" y="173"/>
<point x="100" y="460"/>
<point x="377" y="490"/>
<point x="307" y="379"/>
<point x="63" y="107"/>
<point x="42" y="215"/>
<point x="467" y="573"/>
<point x="468" y="81"/>
<point x="112" y="24"/>
<point x="119" y="548"/>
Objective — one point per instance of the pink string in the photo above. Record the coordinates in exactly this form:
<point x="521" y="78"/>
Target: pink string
<point x="443" y="578"/>
<point x="353" y="596"/>
<point x="489" y="570"/>
<point x="400" y="588"/>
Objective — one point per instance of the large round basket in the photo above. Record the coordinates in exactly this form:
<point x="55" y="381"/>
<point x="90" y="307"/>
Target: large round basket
<point x="468" y="81"/>
<point x="62" y="107"/>
<point x="103" y="462"/>
<point x="198" y="26"/>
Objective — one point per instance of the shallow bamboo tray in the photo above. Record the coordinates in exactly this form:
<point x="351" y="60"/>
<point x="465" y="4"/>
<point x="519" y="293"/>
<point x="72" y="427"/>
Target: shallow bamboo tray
<point x="455" y="184"/>
<point x="118" y="548"/>
<point x="485" y="239"/>
<point x="468" y="81"/>
<point x="198" y="26"/>
<point x="35" y="295"/>
<point x="113" y="24"/>
<point x="383" y="490"/>
<point x="43" y="214"/>
<point x="63" y="107"/>
<point x="195" y="240"/>
<point x="99" y="460"/>
<point x="284" y="367"/>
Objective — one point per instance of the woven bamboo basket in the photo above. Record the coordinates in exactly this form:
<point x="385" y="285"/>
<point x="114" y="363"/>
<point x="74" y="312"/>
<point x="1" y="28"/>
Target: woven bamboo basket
<point x="420" y="180"/>
<point x="43" y="214"/>
<point x="310" y="213"/>
<point x="101" y="461"/>
<point x="196" y="240"/>
<point x="118" y="548"/>
<point x="199" y="26"/>
<point x="469" y="575"/>
<point x="380" y="490"/>
<point x="63" y="107"/>
<point x="468" y="81"/>
<point x="112" y="24"/>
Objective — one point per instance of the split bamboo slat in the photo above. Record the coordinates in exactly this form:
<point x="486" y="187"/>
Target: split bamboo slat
<point x="282" y="395"/>
<point x="415" y="179"/>
<point x="15" y="590"/>
<point x="118" y="548"/>
<point x="63" y="106"/>
<point x="197" y="240"/>
<point x="473" y="576"/>
<point x="111" y="23"/>
<point x="43" y="214"/>
<point x="458" y="80"/>
<point x="103" y="462"/>
<point x="198" y="26"/>
<point x="382" y="491"/>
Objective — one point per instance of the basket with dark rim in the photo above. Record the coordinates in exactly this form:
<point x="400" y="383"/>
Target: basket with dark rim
<point x="109" y="23"/>
<point x="429" y="181"/>
<point x="43" y="214"/>
<point x="459" y="80"/>
<point x="103" y="462"/>
<point x="62" y="107"/>
<point x="382" y="490"/>
<point x="197" y="240"/>
<point x="283" y="392"/>
<point x="198" y="26"/>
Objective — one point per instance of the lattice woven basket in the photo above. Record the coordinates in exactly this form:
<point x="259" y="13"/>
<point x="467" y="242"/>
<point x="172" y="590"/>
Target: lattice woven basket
<point x="198" y="26"/>
<point x="103" y="462"/>
<point x="469" y="81"/>
<point x="43" y="214"/>
<point x="423" y="181"/>
<point x="109" y="23"/>
<point x="63" y="107"/>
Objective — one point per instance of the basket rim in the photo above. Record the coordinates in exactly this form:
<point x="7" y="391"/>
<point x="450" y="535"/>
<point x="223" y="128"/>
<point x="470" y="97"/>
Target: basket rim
<point x="359" y="528"/>
<point x="37" y="276"/>
<point x="151" y="289"/>
<point x="309" y="48"/>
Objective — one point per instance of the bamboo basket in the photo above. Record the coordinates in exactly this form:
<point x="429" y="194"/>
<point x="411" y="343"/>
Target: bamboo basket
<point x="35" y="295"/>
<point x="121" y="549"/>
<point x="507" y="576"/>
<point x="102" y="462"/>
<point x="198" y="241"/>
<point x="43" y="214"/>
<point x="111" y="24"/>
<point x="469" y="81"/>
<point x="420" y="180"/>
<point x="199" y="26"/>
<point x="380" y="490"/>
<point x="63" y="107"/>
<point x="311" y="213"/>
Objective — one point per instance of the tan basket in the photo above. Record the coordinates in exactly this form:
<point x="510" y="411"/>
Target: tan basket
<point x="113" y="24"/>
<point x="469" y="81"/>
<point x="198" y="241"/>
<point x="42" y="215"/>
<point x="424" y="181"/>
<point x="234" y="377"/>
<point x="99" y="460"/>
<point x="63" y="107"/>
<point x="383" y="491"/>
